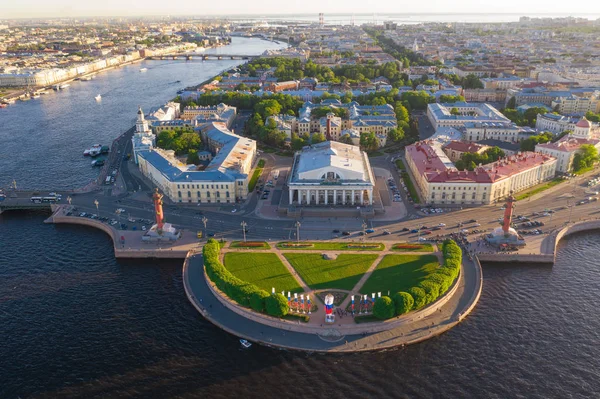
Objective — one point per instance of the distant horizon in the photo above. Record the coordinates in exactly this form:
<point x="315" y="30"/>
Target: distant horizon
<point x="42" y="9"/>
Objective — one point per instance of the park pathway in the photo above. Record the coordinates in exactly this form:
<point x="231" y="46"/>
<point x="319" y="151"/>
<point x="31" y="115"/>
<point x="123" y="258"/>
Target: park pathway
<point x="318" y="316"/>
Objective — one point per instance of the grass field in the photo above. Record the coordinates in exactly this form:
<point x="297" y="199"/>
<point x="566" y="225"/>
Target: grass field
<point x="249" y="245"/>
<point x="400" y="164"/>
<point x="256" y="175"/>
<point x="264" y="270"/>
<point x="342" y="273"/>
<point x="333" y="246"/>
<point x="538" y="189"/>
<point x="399" y="273"/>
<point x="405" y="247"/>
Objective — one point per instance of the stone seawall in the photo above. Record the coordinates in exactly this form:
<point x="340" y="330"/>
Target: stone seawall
<point x="139" y="253"/>
<point x="517" y="258"/>
<point x="575" y="228"/>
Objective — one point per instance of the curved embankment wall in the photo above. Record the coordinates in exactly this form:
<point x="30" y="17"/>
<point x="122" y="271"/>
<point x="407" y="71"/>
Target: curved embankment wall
<point x="114" y="235"/>
<point x="575" y="228"/>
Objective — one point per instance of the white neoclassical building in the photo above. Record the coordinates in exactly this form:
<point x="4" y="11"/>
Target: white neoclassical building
<point x="332" y="174"/>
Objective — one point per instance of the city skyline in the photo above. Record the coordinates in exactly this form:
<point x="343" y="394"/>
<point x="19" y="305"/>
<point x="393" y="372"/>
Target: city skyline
<point x="71" y="8"/>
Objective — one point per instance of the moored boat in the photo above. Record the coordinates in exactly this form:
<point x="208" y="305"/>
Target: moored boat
<point x="98" y="97"/>
<point x="143" y="69"/>
<point x="93" y="151"/>
<point x="98" y="162"/>
<point x="245" y="343"/>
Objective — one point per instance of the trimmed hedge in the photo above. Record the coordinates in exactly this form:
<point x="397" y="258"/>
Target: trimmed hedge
<point x="276" y="305"/>
<point x="419" y="297"/>
<point x="244" y="293"/>
<point x="436" y="285"/>
<point x="404" y="302"/>
<point x="384" y="308"/>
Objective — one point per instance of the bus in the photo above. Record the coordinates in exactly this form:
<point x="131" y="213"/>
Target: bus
<point x="51" y="199"/>
<point x="36" y="200"/>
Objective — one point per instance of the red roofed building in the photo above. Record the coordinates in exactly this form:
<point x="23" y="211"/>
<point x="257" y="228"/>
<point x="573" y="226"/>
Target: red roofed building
<point x="455" y="149"/>
<point x="564" y="150"/>
<point x="439" y="182"/>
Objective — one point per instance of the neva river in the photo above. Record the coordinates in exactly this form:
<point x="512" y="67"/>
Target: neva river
<point x="43" y="139"/>
<point x="76" y="323"/>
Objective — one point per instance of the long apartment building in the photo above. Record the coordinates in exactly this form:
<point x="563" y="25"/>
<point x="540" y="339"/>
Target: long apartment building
<point x="440" y="183"/>
<point x="223" y="180"/>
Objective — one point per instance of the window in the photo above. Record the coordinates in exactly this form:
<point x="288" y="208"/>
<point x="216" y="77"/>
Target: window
<point x="179" y="194"/>
<point x="218" y="194"/>
<point x="198" y="194"/>
<point x="208" y="194"/>
<point x="189" y="194"/>
<point x="227" y="194"/>
<point x="221" y="186"/>
<point x="178" y="186"/>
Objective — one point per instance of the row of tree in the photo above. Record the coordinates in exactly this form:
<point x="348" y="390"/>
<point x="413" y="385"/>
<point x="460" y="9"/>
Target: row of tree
<point x="181" y="140"/>
<point x="427" y="291"/>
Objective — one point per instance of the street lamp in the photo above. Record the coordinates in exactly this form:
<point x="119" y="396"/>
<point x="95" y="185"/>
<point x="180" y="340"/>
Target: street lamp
<point x="69" y="199"/>
<point x="364" y="226"/>
<point x="204" y="220"/>
<point x="95" y="203"/>
<point x="297" y="231"/>
<point x="243" y="224"/>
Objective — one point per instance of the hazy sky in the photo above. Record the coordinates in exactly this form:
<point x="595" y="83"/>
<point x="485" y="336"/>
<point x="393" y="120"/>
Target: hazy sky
<point x="70" y="8"/>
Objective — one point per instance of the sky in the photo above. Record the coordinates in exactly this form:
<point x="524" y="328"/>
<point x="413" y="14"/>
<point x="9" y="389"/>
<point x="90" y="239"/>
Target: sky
<point x="75" y="8"/>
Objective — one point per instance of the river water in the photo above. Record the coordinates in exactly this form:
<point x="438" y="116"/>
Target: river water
<point x="77" y="323"/>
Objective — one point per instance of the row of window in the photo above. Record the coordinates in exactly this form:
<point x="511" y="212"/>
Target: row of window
<point x="198" y="194"/>
<point x="454" y="188"/>
<point x="197" y="186"/>
<point x="464" y="195"/>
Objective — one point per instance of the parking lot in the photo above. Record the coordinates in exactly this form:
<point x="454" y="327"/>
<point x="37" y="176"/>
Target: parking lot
<point x="120" y="221"/>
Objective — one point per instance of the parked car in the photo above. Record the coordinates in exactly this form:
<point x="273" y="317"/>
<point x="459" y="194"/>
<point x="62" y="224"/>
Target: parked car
<point x="345" y="233"/>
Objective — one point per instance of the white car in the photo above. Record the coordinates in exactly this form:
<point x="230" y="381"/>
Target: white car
<point x="143" y="228"/>
<point x="477" y="224"/>
<point x="234" y="210"/>
<point x="442" y="225"/>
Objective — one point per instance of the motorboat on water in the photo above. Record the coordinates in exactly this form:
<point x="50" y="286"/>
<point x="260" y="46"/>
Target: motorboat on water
<point x="143" y="69"/>
<point x="245" y="343"/>
<point x="3" y="105"/>
<point x="35" y="96"/>
<point x="86" y="79"/>
<point x="98" y="162"/>
<point x="93" y="151"/>
<point x="64" y="86"/>
<point x="98" y="97"/>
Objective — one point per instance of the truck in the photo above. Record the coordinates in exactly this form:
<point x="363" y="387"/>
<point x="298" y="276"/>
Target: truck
<point x="107" y="181"/>
<point x="276" y="174"/>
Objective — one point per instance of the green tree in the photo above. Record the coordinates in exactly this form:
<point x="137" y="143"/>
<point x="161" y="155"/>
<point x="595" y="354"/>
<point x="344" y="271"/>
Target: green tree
<point x="368" y="141"/>
<point x="193" y="158"/>
<point x="317" y="138"/>
<point x="592" y="117"/>
<point x="403" y="302"/>
<point x="431" y="289"/>
<point x="401" y="112"/>
<point x="446" y="98"/>
<point x="276" y="305"/>
<point x="384" y="308"/>
<point x="471" y="81"/>
<point x="346" y="139"/>
<point x="268" y="108"/>
<point x="419" y="296"/>
<point x="396" y="134"/>
<point x="257" y="300"/>
<point x="585" y="157"/>
<point x="454" y="111"/>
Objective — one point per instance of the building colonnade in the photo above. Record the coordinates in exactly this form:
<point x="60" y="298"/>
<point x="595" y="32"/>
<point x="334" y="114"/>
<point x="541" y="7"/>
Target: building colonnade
<point x="330" y="196"/>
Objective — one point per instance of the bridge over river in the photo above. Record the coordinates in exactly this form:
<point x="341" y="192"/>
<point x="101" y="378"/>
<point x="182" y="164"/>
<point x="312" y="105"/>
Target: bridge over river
<point x="202" y="57"/>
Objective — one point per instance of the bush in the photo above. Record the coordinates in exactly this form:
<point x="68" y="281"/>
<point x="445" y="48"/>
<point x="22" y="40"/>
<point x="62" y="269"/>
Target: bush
<point x="276" y="305"/>
<point x="443" y="280"/>
<point x="257" y="300"/>
<point x="384" y="308"/>
<point x="404" y="302"/>
<point x="419" y="296"/>
<point x="432" y="290"/>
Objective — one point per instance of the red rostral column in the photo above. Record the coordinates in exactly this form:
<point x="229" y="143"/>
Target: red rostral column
<point x="510" y="205"/>
<point x="158" y="211"/>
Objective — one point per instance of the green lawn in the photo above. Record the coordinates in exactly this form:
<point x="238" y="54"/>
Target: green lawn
<point x="411" y="188"/>
<point x="342" y="273"/>
<point x="538" y="189"/>
<point x="256" y="175"/>
<point x="332" y="246"/>
<point x="250" y="245"/>
<point x="410" y="247"/>
<point x="400" y="164"/>
<point x="399" y="273"/>
<point x="264" y="270"/>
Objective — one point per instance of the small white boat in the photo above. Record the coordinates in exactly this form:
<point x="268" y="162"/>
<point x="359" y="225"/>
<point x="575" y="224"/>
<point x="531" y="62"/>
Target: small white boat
<point x="64" y="86"/>
<point x="35" y="96"/>
<point x="245" y="343"/>
<point x="98" y="97"/>
<point x="143" y="69"/>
